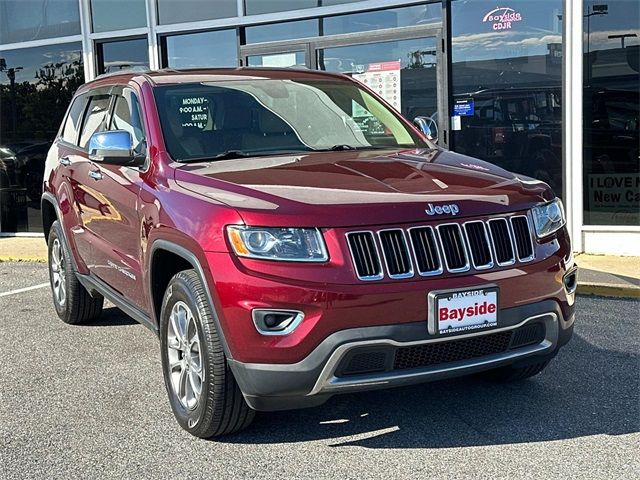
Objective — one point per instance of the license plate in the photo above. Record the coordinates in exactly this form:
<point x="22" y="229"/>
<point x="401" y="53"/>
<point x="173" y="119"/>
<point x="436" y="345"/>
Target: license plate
<point x="455" y="311"/>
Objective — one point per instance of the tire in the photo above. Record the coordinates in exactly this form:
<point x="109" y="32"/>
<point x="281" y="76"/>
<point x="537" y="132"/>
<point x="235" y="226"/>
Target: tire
<point x="219" y="408"/>
<point x="514" y="373"/>
<point x="73" y="303"/>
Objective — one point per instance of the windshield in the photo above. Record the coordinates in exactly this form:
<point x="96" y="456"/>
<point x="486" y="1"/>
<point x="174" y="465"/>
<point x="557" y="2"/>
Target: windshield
<point x="238" y="118"/>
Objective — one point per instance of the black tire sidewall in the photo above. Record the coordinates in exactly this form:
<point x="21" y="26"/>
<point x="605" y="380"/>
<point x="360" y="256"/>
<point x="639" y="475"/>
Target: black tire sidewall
<point x="191" y="420"/>
<point x="56" y="233"/>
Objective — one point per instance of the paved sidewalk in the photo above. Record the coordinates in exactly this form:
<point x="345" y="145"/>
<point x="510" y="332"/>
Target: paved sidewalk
<point x="604" y="275"/>
<point x="23" y="249"/>
<point x="608" y="275"/>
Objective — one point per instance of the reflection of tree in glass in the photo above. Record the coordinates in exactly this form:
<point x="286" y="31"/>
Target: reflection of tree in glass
<point x="417" y="60"/>
<point x="41" y="103"/>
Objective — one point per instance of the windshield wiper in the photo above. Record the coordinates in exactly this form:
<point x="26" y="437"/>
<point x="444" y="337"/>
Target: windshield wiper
<point x="226" y="155"/>
<point x="337" y="148"/>
<point x="231" y="154"/>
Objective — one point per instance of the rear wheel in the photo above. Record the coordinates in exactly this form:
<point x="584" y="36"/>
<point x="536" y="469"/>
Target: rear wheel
<point x="203" y="393"/>
<point x="73" y="303"/>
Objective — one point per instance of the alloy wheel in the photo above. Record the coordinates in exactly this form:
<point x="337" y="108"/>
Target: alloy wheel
<point x="185" y="357"/>
<point x="58" y="271"/>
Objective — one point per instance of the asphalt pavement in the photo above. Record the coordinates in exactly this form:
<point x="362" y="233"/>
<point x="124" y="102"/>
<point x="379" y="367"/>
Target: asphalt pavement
<point x="89" y="402"/>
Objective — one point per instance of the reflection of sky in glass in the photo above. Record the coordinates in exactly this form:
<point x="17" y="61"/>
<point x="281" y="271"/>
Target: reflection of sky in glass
<point x="33" y="59"/>
<point x="118" y="14"/>
<point x="355" y="58"/>
<point x="623" y="17"/>
<point x="474" y="39"/>
<point x="125" y="54"/>
<point x="23" y="20"/>
<point x="207" y="49"/>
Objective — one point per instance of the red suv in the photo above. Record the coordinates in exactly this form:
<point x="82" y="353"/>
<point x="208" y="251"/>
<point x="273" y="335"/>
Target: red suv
<point x="289" y="236"/>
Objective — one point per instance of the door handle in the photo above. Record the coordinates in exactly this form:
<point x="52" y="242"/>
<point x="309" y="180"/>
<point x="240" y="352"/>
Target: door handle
<point x="64" y="161"/>
<point x="95" y="174"/>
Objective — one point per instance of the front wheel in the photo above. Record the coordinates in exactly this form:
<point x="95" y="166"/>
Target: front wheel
<point x="203" y="393"/>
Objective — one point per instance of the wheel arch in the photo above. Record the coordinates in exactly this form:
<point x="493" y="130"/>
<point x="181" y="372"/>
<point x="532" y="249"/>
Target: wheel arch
<point x="165" y="260"/>
<point x="49" y="213"/>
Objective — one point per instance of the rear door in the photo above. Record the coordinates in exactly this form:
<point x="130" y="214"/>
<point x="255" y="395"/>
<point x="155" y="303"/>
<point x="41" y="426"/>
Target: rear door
<point x="70" y="157"/>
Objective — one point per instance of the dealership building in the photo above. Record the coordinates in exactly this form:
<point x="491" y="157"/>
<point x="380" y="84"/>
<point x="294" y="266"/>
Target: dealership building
<point x="546" y="88"/>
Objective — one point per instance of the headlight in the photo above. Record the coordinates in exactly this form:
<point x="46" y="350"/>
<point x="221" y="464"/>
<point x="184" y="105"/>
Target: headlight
<point x="287" y="244"/>
<point x="548" y="218"/>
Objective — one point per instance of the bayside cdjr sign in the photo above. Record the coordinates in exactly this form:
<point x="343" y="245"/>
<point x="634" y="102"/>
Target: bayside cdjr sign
<point x="502" y="18"/>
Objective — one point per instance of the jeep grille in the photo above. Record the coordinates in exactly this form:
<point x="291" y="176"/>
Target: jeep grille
<point x="430" y="250"/>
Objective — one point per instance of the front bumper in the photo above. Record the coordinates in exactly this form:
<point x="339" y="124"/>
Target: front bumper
<point x="385" y="356"/>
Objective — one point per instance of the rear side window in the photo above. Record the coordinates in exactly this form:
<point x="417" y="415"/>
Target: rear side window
<point x="126" y="116"/>
<point x="72" y="123"/>
<point x="95" y="118"/>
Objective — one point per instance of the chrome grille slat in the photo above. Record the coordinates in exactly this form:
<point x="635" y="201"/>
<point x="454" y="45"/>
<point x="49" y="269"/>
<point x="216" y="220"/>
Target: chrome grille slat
<point x="501" y="240"/>
<point x="426" y="251"/>
<point x="479" y="244"/>
<point x="395" y="252"/>
<point x="522" y="237"/>
<point x="453" y="247"/>
<point x="430" y="250"/>
<point x="364" y="255"/>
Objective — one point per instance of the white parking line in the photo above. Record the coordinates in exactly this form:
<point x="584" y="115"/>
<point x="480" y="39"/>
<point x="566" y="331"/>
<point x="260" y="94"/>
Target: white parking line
<point x="26" y="289"/>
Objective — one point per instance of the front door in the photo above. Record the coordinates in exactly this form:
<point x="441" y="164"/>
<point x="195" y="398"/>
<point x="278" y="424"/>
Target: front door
<point x="404" y="66"/>
<point x="107" y="198"/>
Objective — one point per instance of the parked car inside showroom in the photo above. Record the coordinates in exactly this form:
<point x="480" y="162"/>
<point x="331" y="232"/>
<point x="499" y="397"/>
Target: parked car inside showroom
<point x="285" y="249"/>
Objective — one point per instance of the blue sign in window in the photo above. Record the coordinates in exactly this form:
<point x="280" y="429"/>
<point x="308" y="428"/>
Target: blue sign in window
<point x="464" y="108"/>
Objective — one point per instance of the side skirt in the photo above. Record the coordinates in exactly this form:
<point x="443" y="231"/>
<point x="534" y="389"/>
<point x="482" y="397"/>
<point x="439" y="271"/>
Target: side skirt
<point x="94" y="284"/>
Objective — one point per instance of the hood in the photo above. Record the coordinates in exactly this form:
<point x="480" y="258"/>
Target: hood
<point x="352" y="188"/>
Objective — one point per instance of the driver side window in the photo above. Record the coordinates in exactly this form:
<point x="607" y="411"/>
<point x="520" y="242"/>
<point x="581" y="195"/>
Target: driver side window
<point x="126" y="116"/>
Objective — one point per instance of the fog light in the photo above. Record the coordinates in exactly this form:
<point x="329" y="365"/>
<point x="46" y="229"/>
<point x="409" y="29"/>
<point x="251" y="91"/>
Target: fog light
<point x="570" y="280"/>
<point x="276" y="322"/>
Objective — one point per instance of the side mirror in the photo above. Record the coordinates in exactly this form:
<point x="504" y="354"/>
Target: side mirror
<point x="114" y="147"/>
<point x="428" y="126"/>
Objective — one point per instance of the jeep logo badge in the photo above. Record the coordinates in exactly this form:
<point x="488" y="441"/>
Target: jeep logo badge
<point x="451" y="209"/>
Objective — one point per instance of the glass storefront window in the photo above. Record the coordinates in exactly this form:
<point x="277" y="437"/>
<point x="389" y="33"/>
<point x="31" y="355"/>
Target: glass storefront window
<point x="256" y="7"/>
<point x="279" y="60"/>
<point x="205" y="49"/>
<point x="36" y="86"/>
<point x="350" y="23"/>
<point x="274" y="32"/>
<point x="403" y="72"/>
<point x="107" y="15"/>
<point x="378" y="19"/>
<point x="611" y="113"/>
<point x="172" y="11"/>
<point x="123" y="55"/>
<point x="507" y="74"/>
<point x="22" y="21"/>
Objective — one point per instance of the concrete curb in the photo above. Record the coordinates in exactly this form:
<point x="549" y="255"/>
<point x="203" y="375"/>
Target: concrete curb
<point x="34" y="259"/>
<point x="602" y="290"/>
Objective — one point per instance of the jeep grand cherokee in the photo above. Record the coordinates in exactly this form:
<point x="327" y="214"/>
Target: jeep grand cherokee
<point x="289" y="236"/>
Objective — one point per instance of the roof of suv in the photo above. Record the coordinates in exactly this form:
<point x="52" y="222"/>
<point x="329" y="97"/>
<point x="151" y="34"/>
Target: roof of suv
<point x="171" y="76"/>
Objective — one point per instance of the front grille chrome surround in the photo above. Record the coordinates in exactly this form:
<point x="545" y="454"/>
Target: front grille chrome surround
<point x="430" y="250"/>
<point x="450" y="251"/>
<point x="395" y="252"/>
<point x="365" y="258"/>
<point x="426" y="252"/>
<point x="523" y="238"/>
<point x="502" y="242"/>
<point x="474" y="239"/>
